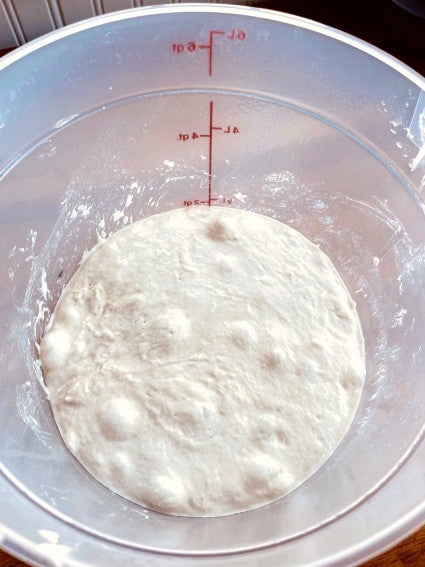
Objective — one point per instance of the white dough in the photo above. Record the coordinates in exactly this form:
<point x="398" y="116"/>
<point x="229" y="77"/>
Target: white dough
<point x="204" y="361"/>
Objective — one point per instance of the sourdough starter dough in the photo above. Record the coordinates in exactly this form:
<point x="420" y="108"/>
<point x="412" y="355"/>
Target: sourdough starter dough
<point x="204" y="361"/>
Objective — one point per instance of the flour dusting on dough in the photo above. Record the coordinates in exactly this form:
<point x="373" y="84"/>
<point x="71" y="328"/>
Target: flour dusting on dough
<point x="204" y="361"/>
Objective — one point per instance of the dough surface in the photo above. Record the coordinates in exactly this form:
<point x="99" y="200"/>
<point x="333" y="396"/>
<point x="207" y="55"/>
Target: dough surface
<point x="204" y="361"/>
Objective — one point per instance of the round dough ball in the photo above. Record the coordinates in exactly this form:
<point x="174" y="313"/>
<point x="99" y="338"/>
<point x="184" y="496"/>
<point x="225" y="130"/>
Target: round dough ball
<point x="204" y="361"/>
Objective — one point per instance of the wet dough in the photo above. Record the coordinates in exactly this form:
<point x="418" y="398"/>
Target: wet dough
<point x="204" y="361"/>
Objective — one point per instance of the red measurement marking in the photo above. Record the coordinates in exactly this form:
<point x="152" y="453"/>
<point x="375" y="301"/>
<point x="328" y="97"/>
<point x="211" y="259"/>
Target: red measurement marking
<point x="211" y="128"/>
<point x="184" y="137"/>
<point x="235" y="35"/>
<point x="221" y="199"/>
<point x="211" y="50"/>
<point x="210" y="152"/>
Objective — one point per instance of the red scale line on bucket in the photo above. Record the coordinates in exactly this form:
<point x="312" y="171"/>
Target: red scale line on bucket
<point x="190" y="47"/>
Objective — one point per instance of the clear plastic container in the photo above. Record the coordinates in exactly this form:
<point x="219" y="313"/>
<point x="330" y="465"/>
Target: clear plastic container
<point x="308" y="125"/>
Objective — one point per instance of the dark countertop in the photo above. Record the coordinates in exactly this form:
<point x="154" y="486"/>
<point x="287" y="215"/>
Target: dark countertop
<point x="380" y="22"/>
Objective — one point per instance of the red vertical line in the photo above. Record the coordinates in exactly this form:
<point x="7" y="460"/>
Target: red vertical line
<point x="210" y="58"/>
<point x="210" y="153"/>
<point x="210" y="55"/>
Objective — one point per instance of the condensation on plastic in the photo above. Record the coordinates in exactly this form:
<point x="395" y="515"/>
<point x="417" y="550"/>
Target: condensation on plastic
<point x="90" y="118"/>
